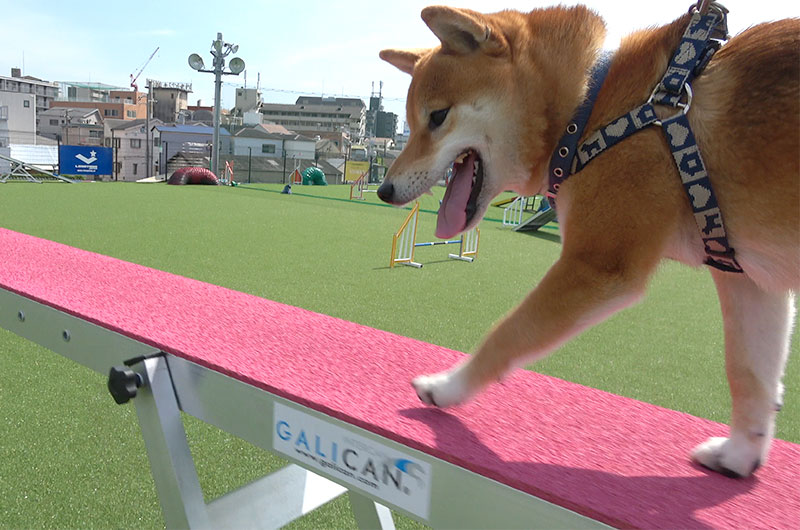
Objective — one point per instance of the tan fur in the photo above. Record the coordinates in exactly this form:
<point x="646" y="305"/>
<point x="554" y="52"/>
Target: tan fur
<point x="522" y="76"/>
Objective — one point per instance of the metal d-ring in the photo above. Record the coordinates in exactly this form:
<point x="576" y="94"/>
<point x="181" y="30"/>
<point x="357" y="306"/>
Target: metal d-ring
<point x="687" y="88"/>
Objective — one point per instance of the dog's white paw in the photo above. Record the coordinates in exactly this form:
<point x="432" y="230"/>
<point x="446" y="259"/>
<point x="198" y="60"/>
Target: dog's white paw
<point x="732" y="458"/>
<point x="444" y="389"/>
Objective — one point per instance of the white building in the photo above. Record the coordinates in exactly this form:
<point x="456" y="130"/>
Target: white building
<point x="23" y="98"/>
<point x="314" y="116"/>
<point x="43" y="92"/>
<point x="129" y="140"/>
<point x="20" y="111"/>
<point x="275" y="142"/>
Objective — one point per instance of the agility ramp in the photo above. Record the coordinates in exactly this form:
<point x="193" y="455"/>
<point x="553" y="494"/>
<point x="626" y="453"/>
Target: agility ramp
<point x="23" y="171"/>
<point x="536" y="221"/>
<point x="534" y="451"/>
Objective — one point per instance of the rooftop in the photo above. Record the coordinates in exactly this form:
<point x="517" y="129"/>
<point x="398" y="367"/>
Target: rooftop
<point x="190" y="129"/>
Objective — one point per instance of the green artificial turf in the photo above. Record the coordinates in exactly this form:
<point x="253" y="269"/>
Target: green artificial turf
<point x="71" y="458"/>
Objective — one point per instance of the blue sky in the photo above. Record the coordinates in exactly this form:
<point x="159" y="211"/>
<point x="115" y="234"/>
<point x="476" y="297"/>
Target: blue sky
<point x="307" y="47"/>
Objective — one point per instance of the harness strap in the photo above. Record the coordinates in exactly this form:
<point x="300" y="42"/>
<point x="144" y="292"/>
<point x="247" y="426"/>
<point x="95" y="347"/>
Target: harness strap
<point x="614" y="133"/>
<point x="564" y="153"/>
<point x="704" y="35"/>
<point x="694" y="176"/>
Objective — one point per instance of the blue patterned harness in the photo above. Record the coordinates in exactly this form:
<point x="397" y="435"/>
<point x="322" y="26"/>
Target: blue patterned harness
<point x="706" y="32"/>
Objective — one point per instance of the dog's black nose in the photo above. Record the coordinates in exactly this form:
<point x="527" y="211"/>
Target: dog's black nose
<point x="386" y="192"/>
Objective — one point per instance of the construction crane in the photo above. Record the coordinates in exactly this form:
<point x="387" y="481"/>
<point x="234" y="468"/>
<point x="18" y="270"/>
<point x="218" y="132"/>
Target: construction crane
<point x="135" y="77"/>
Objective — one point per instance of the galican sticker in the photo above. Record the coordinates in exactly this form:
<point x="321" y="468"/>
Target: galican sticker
<point x="367" y="465"/>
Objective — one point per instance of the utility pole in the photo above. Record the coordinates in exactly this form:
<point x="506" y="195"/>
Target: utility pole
<point x="148" y="172"/>
<point x="219" y="50"/>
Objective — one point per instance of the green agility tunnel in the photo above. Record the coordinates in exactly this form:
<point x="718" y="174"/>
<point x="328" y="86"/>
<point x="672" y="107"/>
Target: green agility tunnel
<point x="314" y="176"/>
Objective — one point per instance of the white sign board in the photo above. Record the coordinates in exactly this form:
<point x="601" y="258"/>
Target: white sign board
<point x="363" y="463"/>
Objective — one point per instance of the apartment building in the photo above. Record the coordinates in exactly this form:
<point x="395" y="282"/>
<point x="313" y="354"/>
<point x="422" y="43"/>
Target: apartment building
<point x="168" y="100"/>
<point x="21" y="99"/>
<point x="19" y="109"/>
<point x="129" y="140"/>
<point x="72" y="126"/>
<point x="315" y="116"/>
<point x="43" y="92"/>
<point x="114" y="104"/>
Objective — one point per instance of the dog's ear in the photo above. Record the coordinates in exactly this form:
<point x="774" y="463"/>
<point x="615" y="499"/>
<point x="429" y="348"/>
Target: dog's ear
<point x="462" y="31"/>
<point x="403" y="60"/>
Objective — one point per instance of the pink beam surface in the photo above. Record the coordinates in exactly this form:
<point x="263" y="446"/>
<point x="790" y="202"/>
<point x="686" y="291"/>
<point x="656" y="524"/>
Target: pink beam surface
<point x="608" y="457"/>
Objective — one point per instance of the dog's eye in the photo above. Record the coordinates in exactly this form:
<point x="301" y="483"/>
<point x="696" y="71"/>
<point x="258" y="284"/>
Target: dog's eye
<point x="437" y="118"/>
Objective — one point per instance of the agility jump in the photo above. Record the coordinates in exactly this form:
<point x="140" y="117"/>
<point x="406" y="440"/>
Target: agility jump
<point x="359" y="187"/>
<point x="404" y="243"/>
<point x="538" y="452"/>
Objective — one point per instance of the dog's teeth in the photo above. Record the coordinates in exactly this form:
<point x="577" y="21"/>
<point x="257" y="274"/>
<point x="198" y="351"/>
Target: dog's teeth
<point x="460" y="158"/>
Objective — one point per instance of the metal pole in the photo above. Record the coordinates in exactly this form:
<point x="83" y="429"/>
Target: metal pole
<point x="148" y="171"/>
<point x="219" y="63"/>
<point x="114" y="147"/>
<point x="34" y="119"/>
<point x="249" y="162"/>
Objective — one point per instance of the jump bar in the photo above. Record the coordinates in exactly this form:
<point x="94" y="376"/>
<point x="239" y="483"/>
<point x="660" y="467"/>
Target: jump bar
<point x="612" y="459"/>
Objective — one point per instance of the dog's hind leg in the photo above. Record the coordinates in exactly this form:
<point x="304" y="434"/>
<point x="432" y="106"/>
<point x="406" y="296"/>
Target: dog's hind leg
<point x="758" y="328"/>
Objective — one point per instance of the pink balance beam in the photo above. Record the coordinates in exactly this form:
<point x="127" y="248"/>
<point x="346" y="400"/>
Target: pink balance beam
<point x="610" y="458"/>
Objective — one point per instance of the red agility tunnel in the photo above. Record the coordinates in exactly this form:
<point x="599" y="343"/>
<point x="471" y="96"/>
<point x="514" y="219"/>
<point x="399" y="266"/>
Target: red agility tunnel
<point x="193" y="175"/>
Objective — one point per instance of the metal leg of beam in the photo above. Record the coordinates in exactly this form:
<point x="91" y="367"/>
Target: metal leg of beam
<point x="273" y="501"/>
<point x="171" y="461"/>
<point x="370" y="514"/>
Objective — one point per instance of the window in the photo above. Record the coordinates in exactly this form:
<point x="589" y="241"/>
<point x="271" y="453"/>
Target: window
<point x="117" y="142"/>
<point x="131" y="113"/>
<point x="95" y="134"/>
<point x="135" y="167"/>
<point x="110" y="112"/>
<point x="267" y="148"/>
<point x="26" y="104"/>
<point x="54" y="122"/>
<point x="136" y="143"/>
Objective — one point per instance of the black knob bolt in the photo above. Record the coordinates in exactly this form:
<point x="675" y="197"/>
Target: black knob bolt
<point x="123" y="383"/>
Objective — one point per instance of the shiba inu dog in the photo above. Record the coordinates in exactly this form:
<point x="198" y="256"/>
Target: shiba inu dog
<point x="492" y="101"/>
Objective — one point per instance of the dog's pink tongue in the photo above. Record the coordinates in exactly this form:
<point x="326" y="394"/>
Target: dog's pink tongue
<point x="453" y="210"/>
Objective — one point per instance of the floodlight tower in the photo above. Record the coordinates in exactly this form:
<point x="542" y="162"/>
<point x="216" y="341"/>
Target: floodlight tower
<point x="219" y="50"/>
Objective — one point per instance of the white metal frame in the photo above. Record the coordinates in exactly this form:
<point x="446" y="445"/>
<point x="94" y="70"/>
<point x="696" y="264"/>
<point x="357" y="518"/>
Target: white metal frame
<point x="459" y="497"/>
<point x="512" y="214"/>
<point x="22" y="171"/>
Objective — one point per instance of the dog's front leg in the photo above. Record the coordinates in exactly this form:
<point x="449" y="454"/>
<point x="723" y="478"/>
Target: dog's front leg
<point x="580" y="290"/>
<point x="758" y="328"/>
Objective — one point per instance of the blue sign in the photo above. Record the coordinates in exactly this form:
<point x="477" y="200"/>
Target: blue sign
<point x="85" y="160"/>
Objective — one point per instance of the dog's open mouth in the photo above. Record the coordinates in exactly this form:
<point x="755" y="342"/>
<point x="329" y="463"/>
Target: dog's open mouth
<point x="460" y="202"/>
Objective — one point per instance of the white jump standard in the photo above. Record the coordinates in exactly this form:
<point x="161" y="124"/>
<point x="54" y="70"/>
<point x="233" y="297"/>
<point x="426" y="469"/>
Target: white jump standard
<point x="404" y="243"/>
